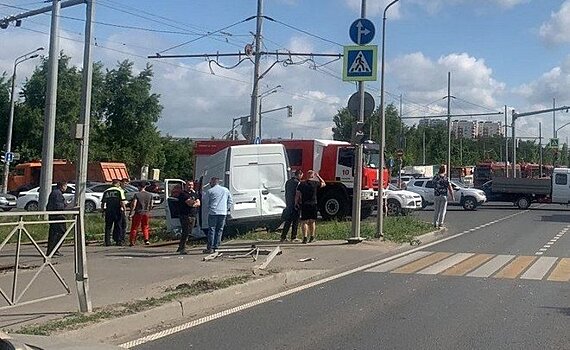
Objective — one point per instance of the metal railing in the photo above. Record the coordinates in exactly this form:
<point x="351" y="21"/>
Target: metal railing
<point x="20" y="231"/>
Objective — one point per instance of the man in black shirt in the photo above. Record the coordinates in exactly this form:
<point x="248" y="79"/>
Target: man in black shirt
<point x="291" y="212"/>
<point x="188" y="204"/>
<point x="114" y="208"/>
<point x="306" y="199"/>
<point x="56" y="202"/>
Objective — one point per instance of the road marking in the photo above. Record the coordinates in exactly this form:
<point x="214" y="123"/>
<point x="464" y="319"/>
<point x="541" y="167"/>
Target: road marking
<point x="394" y="264"/>
<point x="516" y="267"/>
<point x="445" y="264"/>
<point x="491" y="266"/>
<point x="540" y="268"/>
<point x="550" y="243"/>
<point x="561" y="272"/>
<point x="467" y="265"/>
<point x="246" y="306"/>
<point x="422" y="263"/>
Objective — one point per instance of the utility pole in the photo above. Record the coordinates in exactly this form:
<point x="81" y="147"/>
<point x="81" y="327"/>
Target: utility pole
<point x="554" y="117"/>
<point x="46" y="177"/>
<point x="540" y="145"/>
<point x="424" y="143"/>
<point x="254" y="114"/>
<point x="449" y="125"/>
<point x="506" y="144"/>
<point x="514" y="119"/>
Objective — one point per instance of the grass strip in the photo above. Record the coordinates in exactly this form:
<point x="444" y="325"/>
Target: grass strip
<point x="79" y="320"/>
<point x="399" y="229"/>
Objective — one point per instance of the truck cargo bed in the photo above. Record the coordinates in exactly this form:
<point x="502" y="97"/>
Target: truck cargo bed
<point x="522" y="186"/>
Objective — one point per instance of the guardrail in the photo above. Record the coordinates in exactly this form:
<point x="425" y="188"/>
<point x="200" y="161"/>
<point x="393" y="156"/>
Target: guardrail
<point x="20" y="230"/>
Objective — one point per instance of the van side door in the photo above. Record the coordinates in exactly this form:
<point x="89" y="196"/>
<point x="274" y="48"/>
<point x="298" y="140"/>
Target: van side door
<point x="272" y="176"/>
<point x="561" y="187"/>
<point x="171" y="207"/>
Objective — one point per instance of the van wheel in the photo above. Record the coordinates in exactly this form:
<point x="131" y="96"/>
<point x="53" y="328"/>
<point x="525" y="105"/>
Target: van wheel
<point x="393" y="208"/>
<point x="523" y="203"/>
<point x="469" y="203"/>
<point x="90" y="206"/>
<point x="32" y="206"/>
<point x="333" y="205"/>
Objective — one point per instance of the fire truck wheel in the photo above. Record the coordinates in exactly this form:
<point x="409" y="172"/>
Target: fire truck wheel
<point x="365" y="212"/>
<point x="334" y="205"/>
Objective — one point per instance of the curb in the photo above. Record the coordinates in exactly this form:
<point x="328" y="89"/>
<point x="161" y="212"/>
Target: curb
<point x="116" y="331"/>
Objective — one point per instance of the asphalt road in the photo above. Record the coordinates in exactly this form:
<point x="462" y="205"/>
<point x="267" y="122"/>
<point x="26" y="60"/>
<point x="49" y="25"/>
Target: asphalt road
<point x="503" y="283"/>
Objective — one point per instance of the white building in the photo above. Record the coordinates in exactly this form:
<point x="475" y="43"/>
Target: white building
<point x="490" y="129"/>
<point x="467" y="129"/>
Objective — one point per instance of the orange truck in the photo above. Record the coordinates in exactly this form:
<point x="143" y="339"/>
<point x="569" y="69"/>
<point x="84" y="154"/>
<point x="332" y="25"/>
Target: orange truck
<point x="27" y="175"/>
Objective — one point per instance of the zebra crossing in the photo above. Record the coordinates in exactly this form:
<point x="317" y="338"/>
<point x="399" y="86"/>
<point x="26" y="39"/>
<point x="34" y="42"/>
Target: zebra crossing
<point x="479" y="265"/>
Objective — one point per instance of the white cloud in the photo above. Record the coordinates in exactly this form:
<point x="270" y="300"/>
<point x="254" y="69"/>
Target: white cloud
<point x="425" y="80"/>
<point x="557" y="29"/>
<point x="552" y="84"/>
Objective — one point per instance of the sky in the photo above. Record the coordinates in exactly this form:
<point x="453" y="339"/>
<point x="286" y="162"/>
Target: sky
<point x="500" y="53"/>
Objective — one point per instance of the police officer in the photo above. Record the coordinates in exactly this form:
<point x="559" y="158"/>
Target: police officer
<point x="114" y="207"/>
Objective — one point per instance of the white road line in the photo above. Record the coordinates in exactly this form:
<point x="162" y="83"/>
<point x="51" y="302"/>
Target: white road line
<point x="539" y="269"/>
<point x="445" y="264"/>
<point x="491" y="266"/>
<point x="552" y="241"/>
<point x="246" y="306"/>
<point x="394" y="264"/>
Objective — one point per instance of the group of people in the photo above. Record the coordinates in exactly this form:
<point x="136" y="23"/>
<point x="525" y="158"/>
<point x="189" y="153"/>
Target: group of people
<point x="301" y="203"/>
<point x="219" y="202"/>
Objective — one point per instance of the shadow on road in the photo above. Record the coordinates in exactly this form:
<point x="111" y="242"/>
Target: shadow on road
<point x="556" y="218"/>
<point x="562" y="310"/>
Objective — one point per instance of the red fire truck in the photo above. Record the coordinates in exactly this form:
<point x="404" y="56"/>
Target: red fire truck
<point x="333" y="160"/>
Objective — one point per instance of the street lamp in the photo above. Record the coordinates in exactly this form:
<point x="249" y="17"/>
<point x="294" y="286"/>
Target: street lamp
<point x="30" y="55"/>
<point x="380" y="216"/>
<point x="261" y="97"/>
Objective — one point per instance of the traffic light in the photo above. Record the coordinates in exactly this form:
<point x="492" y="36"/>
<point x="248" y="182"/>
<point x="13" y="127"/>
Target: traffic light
<point x="3" y="157"/>
<point x="289" y="111"/>
<point x="358" y="133"/>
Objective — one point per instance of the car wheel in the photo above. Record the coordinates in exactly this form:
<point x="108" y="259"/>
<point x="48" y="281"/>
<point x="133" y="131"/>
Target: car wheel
<point x="424" y="203"/>
<point x="523" y="203"/>
<point x="32" y="206"/>
<point x="333" y="206"/>
<point x="469" y="203"/>
<point x="393" y="207"/>
<point x="90" y="206"/>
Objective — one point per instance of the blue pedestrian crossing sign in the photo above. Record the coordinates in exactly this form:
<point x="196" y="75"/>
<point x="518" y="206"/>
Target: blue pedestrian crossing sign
<point x="360" y="63"/>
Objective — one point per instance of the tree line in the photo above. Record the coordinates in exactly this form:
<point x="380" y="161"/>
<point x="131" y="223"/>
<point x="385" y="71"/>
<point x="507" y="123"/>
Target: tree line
<point x="124" y="116"/>
<point x="464" y="152"/>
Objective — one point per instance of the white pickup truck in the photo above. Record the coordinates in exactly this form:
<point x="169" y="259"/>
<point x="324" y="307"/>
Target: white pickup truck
<point x="469" y="198"/>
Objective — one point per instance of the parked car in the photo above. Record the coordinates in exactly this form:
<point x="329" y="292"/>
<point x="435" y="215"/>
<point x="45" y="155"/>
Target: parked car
<point x="130" y="191"/>
<point x="469" y="198"/>
<point x="29" y="200"/>
<point x="7" y="201"/>
<point x="405" y="180"/>
<point x="401" y="201"/>
<point x="153" y="186"/>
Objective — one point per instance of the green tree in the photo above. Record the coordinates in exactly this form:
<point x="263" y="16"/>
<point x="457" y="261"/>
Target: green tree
<point x="4" y="105"/>
<point x="178" y="158"/>
<point x="129" y="112"/>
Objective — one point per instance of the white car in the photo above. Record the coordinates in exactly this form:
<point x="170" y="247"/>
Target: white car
<point x="29" y="200"/>
<point x="401" y="201"/>
<point x="469" y="198"/>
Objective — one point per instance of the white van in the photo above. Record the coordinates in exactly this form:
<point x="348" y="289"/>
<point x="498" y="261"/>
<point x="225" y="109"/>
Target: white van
<point x="255" y="176"/>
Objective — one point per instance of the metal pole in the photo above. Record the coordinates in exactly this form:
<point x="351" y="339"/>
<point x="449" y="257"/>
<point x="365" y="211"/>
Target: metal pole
<point x="380" y="216"/>
<point x="357" y="183"/>
<point x="9" y="135"/>
<point x="554" y="117"/>
<point x="81" y="277"/>
<point x="540" y="145"/>
<point x="424" y="143"/>
<point x="506" y="144"/>
<point x="449" y="125"/>
<point x="254" y="114"/>
<point x="514" y="136"/>
<point x="50" y="109"/>
<point x="17" y="61"/>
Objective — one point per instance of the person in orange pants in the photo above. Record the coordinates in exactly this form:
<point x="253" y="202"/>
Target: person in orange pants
<point x="141" y="205"/>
